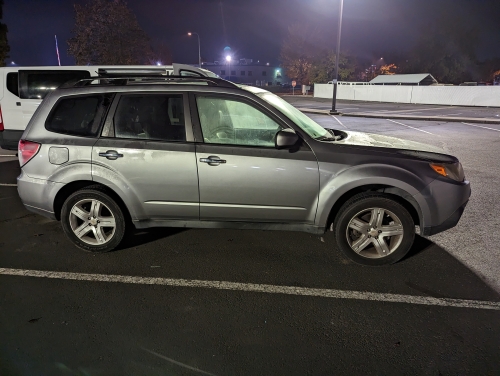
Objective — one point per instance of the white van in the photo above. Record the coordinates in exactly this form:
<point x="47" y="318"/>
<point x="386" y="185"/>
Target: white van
<point x="22" y="89"/>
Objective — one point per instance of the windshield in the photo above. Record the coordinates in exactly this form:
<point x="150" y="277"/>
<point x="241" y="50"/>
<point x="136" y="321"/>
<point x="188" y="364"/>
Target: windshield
<point x="308" y="125"/>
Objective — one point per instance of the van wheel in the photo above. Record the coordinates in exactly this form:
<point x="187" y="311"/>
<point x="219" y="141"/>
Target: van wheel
<point x="93" y="221"/>
<point x="374" y="229"/>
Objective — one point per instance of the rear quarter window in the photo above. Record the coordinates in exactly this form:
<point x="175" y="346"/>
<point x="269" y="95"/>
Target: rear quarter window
<point x="13" y="83"/>
<point x="78" y="116"/>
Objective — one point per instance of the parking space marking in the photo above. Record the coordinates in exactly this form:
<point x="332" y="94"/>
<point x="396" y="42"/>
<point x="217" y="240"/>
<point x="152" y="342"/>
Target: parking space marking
<point x="7" y="185"/>
<point x="338" y="121"/>
<point x="479" y="126"/>
<point x="397" y="122"/>
<point x="178" y="363"/>
<point x="420" y="109"/>
<point x="251" y="287"/>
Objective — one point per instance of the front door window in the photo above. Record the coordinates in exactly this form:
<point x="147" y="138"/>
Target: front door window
<point x="227" y="121"/>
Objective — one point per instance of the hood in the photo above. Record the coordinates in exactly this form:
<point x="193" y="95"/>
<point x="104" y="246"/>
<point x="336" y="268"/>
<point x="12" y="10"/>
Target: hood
<point x="376" y="140"/>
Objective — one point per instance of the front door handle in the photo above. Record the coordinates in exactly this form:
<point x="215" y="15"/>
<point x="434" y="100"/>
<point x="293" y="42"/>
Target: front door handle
<point x="111" y="154"/>
<point x="212" y="160"/>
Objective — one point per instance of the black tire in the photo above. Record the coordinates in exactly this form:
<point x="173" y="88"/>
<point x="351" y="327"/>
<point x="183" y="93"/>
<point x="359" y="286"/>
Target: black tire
<point x="109" y="210"/>
<point x="358" y="211"/>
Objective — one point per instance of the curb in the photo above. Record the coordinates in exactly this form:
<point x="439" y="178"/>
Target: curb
<point x="406" y="117"/>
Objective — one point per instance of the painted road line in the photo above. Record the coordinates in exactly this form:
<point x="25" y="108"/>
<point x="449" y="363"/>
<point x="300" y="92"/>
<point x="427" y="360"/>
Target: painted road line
<point x="397" y="122"/>
<point x="420" y="109"/>
<point x="7" y="155"/>
<point x="7" y="185"/>
<point x="251" y="287"/>
<point x="178" y="363"/>
<point x="478" y="126"/>
<point x="338" y="121"/>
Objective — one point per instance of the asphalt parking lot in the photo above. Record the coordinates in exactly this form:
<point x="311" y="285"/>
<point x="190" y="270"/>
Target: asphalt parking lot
<point x="227" y="302"/>
<point x="396" y="109"/>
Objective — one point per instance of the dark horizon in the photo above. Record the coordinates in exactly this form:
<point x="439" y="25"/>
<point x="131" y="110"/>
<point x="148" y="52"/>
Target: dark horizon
<point x="254" y="29"/>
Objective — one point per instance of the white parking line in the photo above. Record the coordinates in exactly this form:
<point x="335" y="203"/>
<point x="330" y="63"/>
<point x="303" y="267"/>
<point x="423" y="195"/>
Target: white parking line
<point x="420" y="109"/>
<point x="339" y="121"/>
<point x="7" y="185"/>
<point x="178" y="363"/>
<point x="478" y="126"/>
<point x="7" y="155"/>
<point x="397" y="122"/>
<point x="251" y="287"/>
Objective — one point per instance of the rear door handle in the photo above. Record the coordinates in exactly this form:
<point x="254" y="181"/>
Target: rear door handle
<point x="213" y="160"/>
<point x="111" y="154"/>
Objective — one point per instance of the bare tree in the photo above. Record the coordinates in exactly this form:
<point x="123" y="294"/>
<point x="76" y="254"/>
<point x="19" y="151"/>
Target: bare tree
<point x="4" y="43"/>
<point x="107" y="32"/>
<point x="160" y="54"/>
<point x="297" y="54"/>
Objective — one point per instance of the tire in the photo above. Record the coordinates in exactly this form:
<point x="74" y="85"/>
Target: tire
<point x="367" y="240"/>
<point x="106" y="227"/>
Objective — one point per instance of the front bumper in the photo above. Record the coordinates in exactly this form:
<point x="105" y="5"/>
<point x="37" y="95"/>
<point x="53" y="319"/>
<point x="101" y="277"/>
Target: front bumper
<point x="447" y="224"/>
<point x="442" y="204"/>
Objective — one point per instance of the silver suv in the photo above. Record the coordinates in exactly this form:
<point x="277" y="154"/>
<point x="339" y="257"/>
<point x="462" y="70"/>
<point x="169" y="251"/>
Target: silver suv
<point x="100" y="155"/>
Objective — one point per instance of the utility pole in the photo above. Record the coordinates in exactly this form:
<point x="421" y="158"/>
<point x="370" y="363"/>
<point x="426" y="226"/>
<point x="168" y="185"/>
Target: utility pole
<point x="334" y="111"/>
<point x="57" y="51"/>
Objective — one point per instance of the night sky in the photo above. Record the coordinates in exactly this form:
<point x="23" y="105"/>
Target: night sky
<point x="254" y="28"/>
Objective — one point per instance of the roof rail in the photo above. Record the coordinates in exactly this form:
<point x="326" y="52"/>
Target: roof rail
<point x="153" y="71"/>
<point x="149" y="78"/>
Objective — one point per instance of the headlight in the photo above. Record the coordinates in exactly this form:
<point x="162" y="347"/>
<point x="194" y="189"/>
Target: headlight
<point x="451" y="170"/>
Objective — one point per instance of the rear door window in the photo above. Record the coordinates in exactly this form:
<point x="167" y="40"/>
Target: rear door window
<point x="150" y="116"/>
<point x="78" y="116"/>
<point x="37" y="84"/>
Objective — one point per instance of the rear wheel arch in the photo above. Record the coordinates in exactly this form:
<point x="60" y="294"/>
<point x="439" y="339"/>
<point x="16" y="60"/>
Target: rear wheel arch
<point x="72" y="187"/>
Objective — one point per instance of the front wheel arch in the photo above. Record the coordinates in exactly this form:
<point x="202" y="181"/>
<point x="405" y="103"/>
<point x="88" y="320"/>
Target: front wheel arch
<point x="397" y="194"/>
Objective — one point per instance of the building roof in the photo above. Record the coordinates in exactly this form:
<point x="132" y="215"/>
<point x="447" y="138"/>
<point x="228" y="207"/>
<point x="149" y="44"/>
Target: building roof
<point x="405" y="79"/>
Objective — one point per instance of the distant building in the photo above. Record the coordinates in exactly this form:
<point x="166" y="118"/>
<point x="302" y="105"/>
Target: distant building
<point x="246" y="71"/>
<point x="420" y="79"/>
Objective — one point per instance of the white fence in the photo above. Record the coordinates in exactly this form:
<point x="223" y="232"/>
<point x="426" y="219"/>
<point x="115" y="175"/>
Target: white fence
<point x="442" y="95"/>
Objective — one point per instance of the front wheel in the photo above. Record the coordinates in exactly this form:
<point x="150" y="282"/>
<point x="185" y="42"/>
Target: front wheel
<point x="374" y="229"/>
<point x="93" y="221"/>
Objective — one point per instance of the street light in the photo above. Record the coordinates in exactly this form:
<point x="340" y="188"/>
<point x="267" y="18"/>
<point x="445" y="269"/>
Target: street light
<point x="228" y="59"/>
<point x="199" y="47"/>
<point x="334" y="111"/>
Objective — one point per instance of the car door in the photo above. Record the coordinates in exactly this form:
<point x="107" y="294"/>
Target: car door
<point x="147" y="153"/>
<point x="242" y="176"/>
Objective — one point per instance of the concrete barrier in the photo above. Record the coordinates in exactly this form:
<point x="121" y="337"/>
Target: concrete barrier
<point x="486" y="96"/>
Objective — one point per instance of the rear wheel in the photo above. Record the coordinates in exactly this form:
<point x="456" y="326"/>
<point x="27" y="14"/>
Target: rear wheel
<point x="93" y="221"/>
<point x="374" y="229"/>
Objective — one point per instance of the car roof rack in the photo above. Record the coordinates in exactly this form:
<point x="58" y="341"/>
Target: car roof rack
<point x="146" y="78"/>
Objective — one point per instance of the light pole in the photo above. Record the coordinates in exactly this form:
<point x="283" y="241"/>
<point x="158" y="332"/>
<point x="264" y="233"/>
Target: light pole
<point x="199" y="47"/>
<point x="228" y="59"/>
<point x="334" y="111"/>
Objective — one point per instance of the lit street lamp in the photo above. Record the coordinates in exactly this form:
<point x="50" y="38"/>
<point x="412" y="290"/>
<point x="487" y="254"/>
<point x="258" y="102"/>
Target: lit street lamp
<point x="228" y="59"/>
<point x="334" y="111"/>
<point x="199" y="47"/>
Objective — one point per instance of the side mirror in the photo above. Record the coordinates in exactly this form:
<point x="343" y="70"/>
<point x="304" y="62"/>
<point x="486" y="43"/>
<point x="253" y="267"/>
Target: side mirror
<point x="286" y="138"/>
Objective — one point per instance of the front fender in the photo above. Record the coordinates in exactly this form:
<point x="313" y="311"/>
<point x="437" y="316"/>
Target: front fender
<point x="334" y="186"/>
